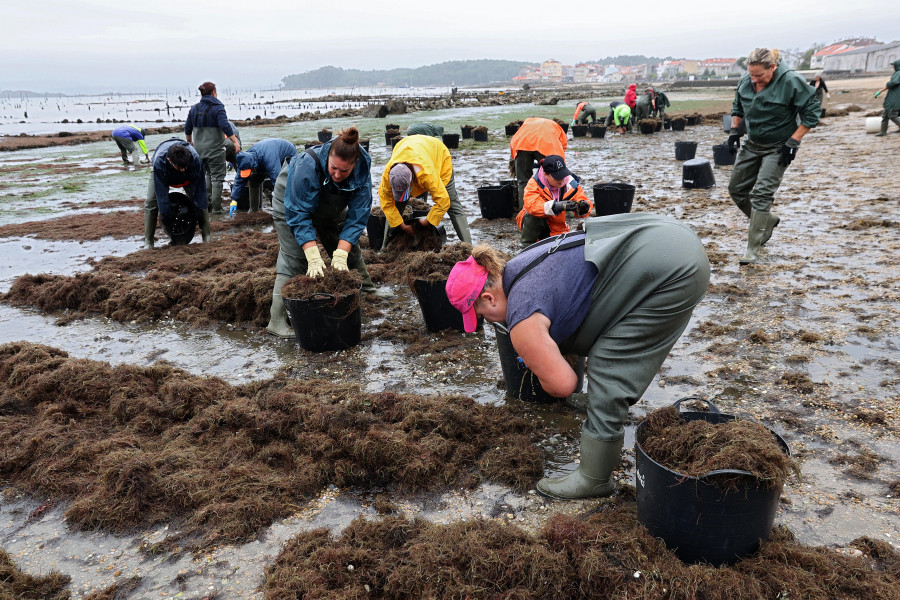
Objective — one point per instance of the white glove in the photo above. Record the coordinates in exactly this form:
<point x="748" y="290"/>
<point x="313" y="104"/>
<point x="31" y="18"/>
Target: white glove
<point x="339" y="260"/>
<point x="314" y="260"/>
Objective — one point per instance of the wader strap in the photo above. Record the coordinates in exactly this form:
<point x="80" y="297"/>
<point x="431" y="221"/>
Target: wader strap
<point x="319" y="169"/>
<point x="558" y="242"/>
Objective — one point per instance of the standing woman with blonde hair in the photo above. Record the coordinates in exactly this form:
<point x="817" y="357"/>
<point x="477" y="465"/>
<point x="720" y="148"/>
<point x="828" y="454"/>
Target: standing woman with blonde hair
<point x="771" y="99"/>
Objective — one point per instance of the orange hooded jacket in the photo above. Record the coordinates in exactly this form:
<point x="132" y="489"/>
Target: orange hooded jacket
<point x="536" y="194"/>
<point x="539" y="135"/>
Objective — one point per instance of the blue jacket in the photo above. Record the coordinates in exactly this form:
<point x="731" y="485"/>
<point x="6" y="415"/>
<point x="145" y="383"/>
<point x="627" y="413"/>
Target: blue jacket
<point x="209" y="112"/>
<point x="265" y="155"/>
<point x="135" y="134"/>
<point x="166" y="176"/>
<point x="305" y="181"/>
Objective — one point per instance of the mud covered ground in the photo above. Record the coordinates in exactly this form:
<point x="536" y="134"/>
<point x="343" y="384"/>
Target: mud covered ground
<point x="805" y="341"/>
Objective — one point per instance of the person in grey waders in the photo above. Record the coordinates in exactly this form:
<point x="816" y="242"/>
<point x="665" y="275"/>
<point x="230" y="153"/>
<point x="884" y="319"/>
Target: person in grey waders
<point x="891" y="101"/>
<point x="175" y="164"/>
<point x="125" y="138"/>
<point x="771" y="100"/>
<point x="324" y="192"/>
<point x="204" y="128"/>
<point x="620" y="293"/>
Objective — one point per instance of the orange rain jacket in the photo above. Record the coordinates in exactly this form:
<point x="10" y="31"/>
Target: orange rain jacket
<point x="539" y="135"/>
<point x="536" y="194"/>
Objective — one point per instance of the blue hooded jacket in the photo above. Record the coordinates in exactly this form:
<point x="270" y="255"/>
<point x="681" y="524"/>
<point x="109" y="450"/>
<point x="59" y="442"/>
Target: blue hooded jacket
<point x="265" y="155"/>
<point x="305" y="181"/>
<point x="209" y="112"/>
<point x="166" y="176"/>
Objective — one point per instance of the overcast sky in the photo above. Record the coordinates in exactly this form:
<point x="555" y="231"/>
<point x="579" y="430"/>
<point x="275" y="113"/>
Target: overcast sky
<point x="126" y="45"/>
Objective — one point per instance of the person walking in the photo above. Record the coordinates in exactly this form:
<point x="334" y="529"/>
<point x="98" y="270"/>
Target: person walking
<point x="619" y="115"/>
<point x="891" y="102"/>
<point x="175" y="164"/>
<point x="535" y="139"/>
<point x="771" y="99"/>
<point x="660" y="104"/>
<point x="204" y="128"/>
<point x="324" y="192"/>
<point x="262" y="160"/>
<point x="550" y="194"/>
<point x="620" y="293"/>
<point x="125" y="138"/>
<point x="421" y="164"/>
<point x="582" y="112"/>
<point x="821" y="89"/>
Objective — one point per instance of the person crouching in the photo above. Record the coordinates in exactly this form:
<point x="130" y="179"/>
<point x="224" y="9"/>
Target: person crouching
<point x="551" y="192"/>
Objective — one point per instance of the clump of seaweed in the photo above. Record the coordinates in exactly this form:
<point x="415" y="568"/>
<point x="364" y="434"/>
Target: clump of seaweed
<point x="16" y="585"/>
<point x="435" y="266"/>
<point x="337" y="284"/>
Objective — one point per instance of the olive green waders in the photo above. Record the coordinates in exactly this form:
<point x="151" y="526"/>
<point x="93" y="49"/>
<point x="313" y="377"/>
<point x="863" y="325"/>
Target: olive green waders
<point x="524" y="162"/>
<point x="209" y="142"/>
<point x="653" y="271"/>
<point x="533" y="229"/>
<point x="886" y="117"/>
<point x="755" y="178"/>
<point x="328" y="222"/>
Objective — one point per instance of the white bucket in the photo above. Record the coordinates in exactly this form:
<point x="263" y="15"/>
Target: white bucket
<point x="873" y="124"/>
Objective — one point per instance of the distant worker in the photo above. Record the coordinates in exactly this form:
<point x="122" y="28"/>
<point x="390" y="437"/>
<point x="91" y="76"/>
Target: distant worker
<point x="552" y="192"/>
<point x="821" y="89"/>
<point x="262" y="161"/>
<point x="619" y="115"/>
<point x="891" y="101"/>
<point x="325" y="193"/>
<point x="205" y="125"/>
<point x="175" y="164"/>
<point x="125" y="138"/>
<point x="435" y="131"/>
<point x="582" y="112"/>
<point x="660" y="104"/>
<point x="644" y="105"/>
<point x="420" y="164"/>
<point x="770" y="100"/>
<point x="536" y="138"/>
<point x="631" y="96"/>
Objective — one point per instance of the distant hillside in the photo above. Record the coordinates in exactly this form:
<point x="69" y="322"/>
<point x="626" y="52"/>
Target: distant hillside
<point x="455" y="72"/>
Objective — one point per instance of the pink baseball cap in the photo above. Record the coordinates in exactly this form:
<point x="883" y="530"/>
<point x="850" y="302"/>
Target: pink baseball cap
<point x="464" y="284"/>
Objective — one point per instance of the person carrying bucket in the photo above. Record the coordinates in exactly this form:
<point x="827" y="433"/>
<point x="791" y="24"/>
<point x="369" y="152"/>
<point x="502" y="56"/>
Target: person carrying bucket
<point x="619" y="115"/>
<point x="324" y="192"/>
<point x="204" y="127"/>
<point x="620" y="293"/>
<point x="552" y="192"/>
<point x="536" y="138"/>
<point x="421" y="164"/>
<point x="770" y="100"/>
<point x="175" y="164"/>
<point x="263" y="160"/>
<point x="891" y="101"/>
<point x="125" y="138"/>
<point x="582" y="112"/>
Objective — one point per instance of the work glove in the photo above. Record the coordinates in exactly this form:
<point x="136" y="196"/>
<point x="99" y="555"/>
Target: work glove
<point x="734" y="140"/>
<point x="583" y="207"/>
<point x="573" y="123"/>
<point x="316" y="266"/>
<point x="556" y="208"/>
<point x="339" y="260"/>
<point x="878" y="93"/>
<point x="788" y="152"/>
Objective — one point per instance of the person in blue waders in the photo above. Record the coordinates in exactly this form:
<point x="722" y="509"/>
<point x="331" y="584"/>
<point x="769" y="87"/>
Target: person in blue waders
<point x="620" y="293"/>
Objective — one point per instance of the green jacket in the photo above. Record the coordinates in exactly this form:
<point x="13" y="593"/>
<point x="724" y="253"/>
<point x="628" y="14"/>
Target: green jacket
<point x="662" y="101"/>
<point x="771" y="115"/>
<point x="621" y="115"/>
<point x="425" y="129"/>
<point x="892" y="100"/>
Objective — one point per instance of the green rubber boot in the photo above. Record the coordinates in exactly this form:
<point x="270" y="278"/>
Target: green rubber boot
<point x="592" y="478"/>
<point x="150" y="228"/>
<point x="774" y="221"/>
<point x="278" y="319"/>
<point x="255" y="199"/>
<point x="204" y="225"/>
<point x="761" y="225"/>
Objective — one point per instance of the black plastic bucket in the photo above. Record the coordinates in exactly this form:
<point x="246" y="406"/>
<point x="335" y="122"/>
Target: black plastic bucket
<point x="564" y="125"/>
<point x="322" y="325"/>
<point x="466" y="131"/>
<point x="437" y="311"/>
<point x="697" y="173"/>
<point x="511" y="129"/>
<point x="389" y="134"/>
<point x="613" y="198"/>
<point x="480" y="135"/>
<point x="697" y="520"/>
<point x="667" y="123"/>
<point x="597" y="131"/>
<point x="451" y="140"/>
<point x="375" y="230"/>
<point x="659" y="126"/>
<point x="395" y="139"/>
<point x="691" y="120"/>
<point x="519" y="381"/>
<point x="364" y="143"/>
<point x="182" y="224"/>
<point x="685" y="150"/>
<point x="722" y="155"/>
<point x="678" y="125"/>
<point x="497" y="201"/>
<point x="579" y="130"/>
<point x="324" y="135"/>
<point x="390" y="126"/>
<point x="647" y="128"/>
<point x="512" y="182"/>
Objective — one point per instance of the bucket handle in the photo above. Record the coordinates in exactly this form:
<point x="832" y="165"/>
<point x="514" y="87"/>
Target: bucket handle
<point x="321" y="296"/>
<point x="725" y="472"/>
<point x="713" y="409"/>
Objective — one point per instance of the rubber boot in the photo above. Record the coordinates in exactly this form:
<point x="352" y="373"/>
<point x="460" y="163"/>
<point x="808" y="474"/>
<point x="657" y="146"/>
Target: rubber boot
<point x="255" y="194"/>
<point x="461" y="227"/>
<point x="150" y="228"/>
<point x="884" y="126"/>
<point x="278" y="319"/>
<point x="136" y="159"/>
<point x="204" y="225"/>
<point x="592" y="478"/>
<point x="761" y="224"/>
<point x="215" y="198"/>
<point x="774" y="221"/>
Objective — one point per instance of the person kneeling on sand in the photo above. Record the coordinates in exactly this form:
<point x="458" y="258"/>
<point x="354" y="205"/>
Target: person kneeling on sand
<point x="620" y="293"/>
